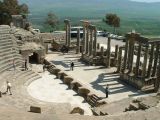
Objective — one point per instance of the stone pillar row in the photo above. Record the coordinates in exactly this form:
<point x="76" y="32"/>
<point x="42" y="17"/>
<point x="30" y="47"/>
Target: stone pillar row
<point x="89" y="39"/>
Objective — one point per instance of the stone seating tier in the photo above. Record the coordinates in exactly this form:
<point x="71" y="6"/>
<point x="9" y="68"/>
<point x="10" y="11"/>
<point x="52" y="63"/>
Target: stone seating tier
<point x="19" y="79"/>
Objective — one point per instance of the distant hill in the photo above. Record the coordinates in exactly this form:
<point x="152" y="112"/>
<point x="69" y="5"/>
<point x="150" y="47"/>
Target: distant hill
<point x="94" y="8"/>
<point x="129" y="11"/>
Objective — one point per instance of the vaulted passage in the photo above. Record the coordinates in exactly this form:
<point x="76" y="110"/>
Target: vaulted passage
<point x="33" y="58"/>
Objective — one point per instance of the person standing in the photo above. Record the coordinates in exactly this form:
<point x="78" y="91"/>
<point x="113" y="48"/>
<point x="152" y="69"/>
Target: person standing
<point x="72" y="66"/>
<point x="25" y="64"/>
<point x="9" y="87"/>
<point x="107" y="90"/>
<point x="14" y="66"/>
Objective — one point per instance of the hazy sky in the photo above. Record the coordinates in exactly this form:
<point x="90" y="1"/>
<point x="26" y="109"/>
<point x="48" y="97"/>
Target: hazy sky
<point x="146" y="0"/>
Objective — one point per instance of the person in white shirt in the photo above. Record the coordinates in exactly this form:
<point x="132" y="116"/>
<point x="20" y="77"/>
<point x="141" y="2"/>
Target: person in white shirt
<point x="9" y="87"/>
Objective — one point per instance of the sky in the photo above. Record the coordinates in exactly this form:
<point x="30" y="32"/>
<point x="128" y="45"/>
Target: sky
<point x="146" y="0"/>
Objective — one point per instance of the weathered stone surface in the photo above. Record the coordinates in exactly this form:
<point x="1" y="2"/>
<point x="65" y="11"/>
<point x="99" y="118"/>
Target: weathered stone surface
<point x="77" y="110"/>
<point x="35" y="109"/>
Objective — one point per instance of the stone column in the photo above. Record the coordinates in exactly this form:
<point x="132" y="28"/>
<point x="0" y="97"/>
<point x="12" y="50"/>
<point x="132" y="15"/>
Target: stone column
<point x="119" y="60"/>
<point x="131" y="56"/>
<point x="66" y="34"/>
<point x="150" y="61"/>
<point x="98" y="46"/>
<point x="69" y="34"/>
<point x="157" y="81"/>
<point x="155" y="60"/>
<point x="125" y="56"/>
<point x="138" y="59"/>
<point x="145" y="61"/>
<point x="129" y="53"/>
<point x="87" y="41"/>
<point x="91" y="42"/>
<point x="108" y="52"/>
<point x="84" y="38"/>
<point x="95" y="41"/>
<point x="78" y="41"/>
<point x="116" y="54"/>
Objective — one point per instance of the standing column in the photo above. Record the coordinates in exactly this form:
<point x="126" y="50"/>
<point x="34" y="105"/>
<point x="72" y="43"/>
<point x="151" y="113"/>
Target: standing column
<point x="145" y="61"/>
<point x="131" y="56"/>
<point x="125" y="56"/>
<point x="95" y="41"/>
<point x="69" y="34"/>
<point x="129" y="53"/>
<point x="66" y="35"/>
<point x="116" y="55"/>
<point x="87" y="41"/>
<point x="91" y="42"/>
<point x="78" y="41"/>
<point x="84" y="39"/>
<point x="138" y="59"/>
<point x="157" y="81"/>
<point x="119" y="60"/>
<point x="150" y="61"/>
<point x="155" y="61"/>
<point x="108" y="52"/>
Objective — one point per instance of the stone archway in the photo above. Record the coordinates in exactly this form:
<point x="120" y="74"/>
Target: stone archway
<point x="34" y="58"/>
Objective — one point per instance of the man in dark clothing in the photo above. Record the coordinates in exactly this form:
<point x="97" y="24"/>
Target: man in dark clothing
<point x="25" y="64"/>
<point x="107" y="90"/>
<point x="72" y="66"/>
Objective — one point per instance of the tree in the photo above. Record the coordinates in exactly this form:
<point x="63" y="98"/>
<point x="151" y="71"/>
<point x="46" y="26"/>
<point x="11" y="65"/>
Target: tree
<point x="112" y="20"/>
<point x="52" y="20"/>
<point x="11" y="7"/>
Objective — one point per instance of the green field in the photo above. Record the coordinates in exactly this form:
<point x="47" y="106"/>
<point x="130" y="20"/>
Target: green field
<point x="142" y="17"/>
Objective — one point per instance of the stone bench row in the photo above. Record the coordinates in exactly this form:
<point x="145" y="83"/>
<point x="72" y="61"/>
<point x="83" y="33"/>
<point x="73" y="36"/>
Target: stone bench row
<point x="9" y="57"/>
<point x="4" y="36"/>
<point x="7" y="66"/>
<point x="6" y="43"/>
<point x="5" y="51"/>
<point x="6" y="46"/>
<point x="75" y="85"/>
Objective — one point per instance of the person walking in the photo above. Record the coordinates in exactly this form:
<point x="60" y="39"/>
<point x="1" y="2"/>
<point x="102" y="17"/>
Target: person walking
<point x="9" y="87"/>
<point x="72" y="66"/>
<point x="107" y="90"/>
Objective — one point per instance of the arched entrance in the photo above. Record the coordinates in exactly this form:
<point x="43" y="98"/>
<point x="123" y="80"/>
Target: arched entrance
<point x="33" y="58"/>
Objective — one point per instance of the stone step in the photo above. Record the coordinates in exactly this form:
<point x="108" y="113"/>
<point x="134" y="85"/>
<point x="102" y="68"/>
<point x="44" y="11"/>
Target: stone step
<point x="5" y="40"/>
<point x="148" y="89"/>
<point x="8" y="66"/>
<point x="5" y="51"/>
<point x="9" y="58"/>
<point x="6" y="46"/>
<point x="6" y="43"/>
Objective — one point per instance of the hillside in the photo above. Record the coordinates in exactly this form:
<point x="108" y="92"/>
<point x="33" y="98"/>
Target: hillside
<point x="130" y="12"/>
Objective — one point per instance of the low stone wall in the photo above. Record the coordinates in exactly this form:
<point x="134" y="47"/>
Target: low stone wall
<point x="74" y="84"/>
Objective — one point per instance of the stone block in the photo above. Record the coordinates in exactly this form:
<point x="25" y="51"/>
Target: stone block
<point x="77" y="110"/>
<point x="83" y="92"/>
<point x="35" y="109"/>
<point x="0" y="94"/>
<point x="68" y="80"/>
<point x="75" y="85"/>
<point x="55" y="71"/>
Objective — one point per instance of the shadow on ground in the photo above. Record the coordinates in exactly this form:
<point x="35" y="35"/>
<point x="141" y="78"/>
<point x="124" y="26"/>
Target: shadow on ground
<point x="115" y="85"/>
